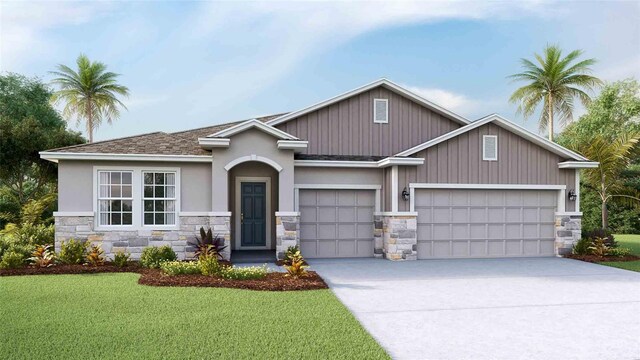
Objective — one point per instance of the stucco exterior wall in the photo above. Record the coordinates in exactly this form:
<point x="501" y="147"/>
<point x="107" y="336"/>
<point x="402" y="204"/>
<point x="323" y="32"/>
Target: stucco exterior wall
<point x="459" y="161"/>
<point x="351" y="176"/>
<point x="75" y="183"/>
<point x="248" y="143"/>
<point x="347" y="127"/>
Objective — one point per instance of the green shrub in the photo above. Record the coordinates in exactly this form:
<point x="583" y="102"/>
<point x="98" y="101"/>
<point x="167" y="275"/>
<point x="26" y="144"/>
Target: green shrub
<point x="607" y="236"/>
<point x="32" y="234"/>
<point x="619" y="252"/>
<point x="582" y="246"/>
<point x="180" y="267"/>
<point x="209" y="265"/>
<point x="73" y="251"/>
<point x="243" y="273"/>
<point x="153" y="256"/>
<point x="9" y="244"/>
<point x="121" y="259"/>
<point x="12" y="260"/>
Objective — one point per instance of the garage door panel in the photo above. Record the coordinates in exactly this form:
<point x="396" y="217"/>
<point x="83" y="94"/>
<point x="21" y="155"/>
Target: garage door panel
<point x="327" y="214"/>
<point x="485" y="223"/>
<point x="336" y="223"/>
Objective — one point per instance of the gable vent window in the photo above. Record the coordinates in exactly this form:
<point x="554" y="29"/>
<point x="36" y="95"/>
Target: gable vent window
<point x="490" y="148"/>
<point x="381" y="111"/>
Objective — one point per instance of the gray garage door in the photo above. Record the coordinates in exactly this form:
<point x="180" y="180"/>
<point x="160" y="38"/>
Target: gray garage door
<point x="336" y="223"/>
<point x="485" y="223"/>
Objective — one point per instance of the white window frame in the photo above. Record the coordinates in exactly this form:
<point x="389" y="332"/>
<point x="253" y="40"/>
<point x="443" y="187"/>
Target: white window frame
<point x="376" y="121"/>
<point x="165" y="198"/>
<point x="137" y="194"/>
<point x="110" y="198"/>
<point x="484" y="144"/>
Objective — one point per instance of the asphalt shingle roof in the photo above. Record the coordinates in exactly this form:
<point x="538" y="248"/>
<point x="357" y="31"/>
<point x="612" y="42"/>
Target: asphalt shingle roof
<point x="156" y="143"/>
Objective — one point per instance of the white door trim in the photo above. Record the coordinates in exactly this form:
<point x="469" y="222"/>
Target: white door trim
<point x="269" y="215"/>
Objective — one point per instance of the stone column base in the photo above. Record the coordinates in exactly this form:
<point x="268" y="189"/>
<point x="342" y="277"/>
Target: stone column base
<point x="287" y="232"/>
<point x="399" y="236"/>
<point x="568" y="230"/>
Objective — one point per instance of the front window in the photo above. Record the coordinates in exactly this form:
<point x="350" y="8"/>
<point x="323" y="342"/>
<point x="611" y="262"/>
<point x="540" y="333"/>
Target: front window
<point x="159" y="198"/>
<point x="115" y="197"/>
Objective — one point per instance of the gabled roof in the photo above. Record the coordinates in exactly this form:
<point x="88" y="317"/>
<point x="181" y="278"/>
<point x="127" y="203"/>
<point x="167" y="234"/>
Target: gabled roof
<point x="253" y="124"/>
<point x="504" y="123"/>
<point x="382" y="82"/>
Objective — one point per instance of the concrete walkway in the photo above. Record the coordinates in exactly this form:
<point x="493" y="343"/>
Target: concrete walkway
<point x="544" y="308"/>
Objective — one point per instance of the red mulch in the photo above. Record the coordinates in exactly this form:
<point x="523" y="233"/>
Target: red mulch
<point x="69" y="269"/>
<point x="595" y="258"/>
<point x="274" y="281"/>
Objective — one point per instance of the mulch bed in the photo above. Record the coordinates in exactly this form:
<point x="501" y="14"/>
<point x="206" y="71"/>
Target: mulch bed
<point x="70" y="269"/>
<point x="595" y="258"/>
<point x="274" y="281"/>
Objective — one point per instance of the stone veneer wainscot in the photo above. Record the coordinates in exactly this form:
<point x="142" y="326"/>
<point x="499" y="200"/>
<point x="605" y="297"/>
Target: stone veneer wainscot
<point x="399" y="237"/>
<point x="568" y="230"/>
<point x="287" y="232"/>
<point x="134" y="241"/>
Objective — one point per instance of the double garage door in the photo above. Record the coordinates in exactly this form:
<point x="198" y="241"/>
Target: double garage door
<point x="336" y="223"/>
<point x="452" y="223"/>
<point x="455" y="223"/>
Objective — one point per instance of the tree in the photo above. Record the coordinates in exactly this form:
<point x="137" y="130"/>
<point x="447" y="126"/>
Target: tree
<point x="614" y="157"/>
<point x="90" y="94"/>
<point x="28" y="125"/>
<point x="553" y="82"/>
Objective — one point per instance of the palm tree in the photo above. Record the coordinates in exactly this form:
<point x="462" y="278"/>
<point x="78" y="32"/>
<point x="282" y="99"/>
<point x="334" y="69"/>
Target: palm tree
<point x="90" y="93"/>
<point x="553" y="82"/>
<point x="614" y="156"/>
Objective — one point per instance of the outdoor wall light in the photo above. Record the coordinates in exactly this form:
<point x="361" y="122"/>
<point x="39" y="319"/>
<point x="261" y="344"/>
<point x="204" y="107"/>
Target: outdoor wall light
<point x="405" y="194"/>
<point x="572" y="195"/>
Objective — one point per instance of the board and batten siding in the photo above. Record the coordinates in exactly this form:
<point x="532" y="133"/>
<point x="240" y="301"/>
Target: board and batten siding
<point x="347" y="127"/>
<point x="459" y="161"/>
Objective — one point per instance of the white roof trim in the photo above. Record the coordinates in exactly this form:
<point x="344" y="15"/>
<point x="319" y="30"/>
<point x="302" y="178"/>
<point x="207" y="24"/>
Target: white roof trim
<point x="386" y="162"/>
<point x="208" y="143"/>
<point x="253" y="123"/>
<point x="486" y="186"/>
<point x="388" y="84"/>
<point x="253" y="157"/>
<point x="578" y="164"/>
<point x="55" y="156"/>
<point x="502" y="122"/>
<point x="295" y="145"/>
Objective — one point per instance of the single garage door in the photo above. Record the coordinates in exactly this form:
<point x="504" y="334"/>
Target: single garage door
<point x="485" y="223"/>
<point x="336" y="223"/>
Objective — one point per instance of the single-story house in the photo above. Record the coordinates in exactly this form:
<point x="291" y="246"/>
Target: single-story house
<point x="375" y="172"/>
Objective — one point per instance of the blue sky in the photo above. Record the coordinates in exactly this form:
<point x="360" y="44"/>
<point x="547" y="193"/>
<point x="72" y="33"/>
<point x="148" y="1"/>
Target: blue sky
<point x="192" y="64"/>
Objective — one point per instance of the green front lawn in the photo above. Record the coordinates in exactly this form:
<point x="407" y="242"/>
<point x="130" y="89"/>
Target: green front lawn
<point x="631" y="241"/>
<point x="111" y="316"/>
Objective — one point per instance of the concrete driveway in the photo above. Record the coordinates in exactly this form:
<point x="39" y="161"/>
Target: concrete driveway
<point x="544" y="308"/>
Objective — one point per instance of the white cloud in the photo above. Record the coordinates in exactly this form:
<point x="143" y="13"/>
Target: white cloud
<point x="23" y="26"/>
<point x="462" y="104"/>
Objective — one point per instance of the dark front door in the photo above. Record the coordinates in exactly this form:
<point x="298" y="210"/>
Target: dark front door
<point x="253" y="220"/>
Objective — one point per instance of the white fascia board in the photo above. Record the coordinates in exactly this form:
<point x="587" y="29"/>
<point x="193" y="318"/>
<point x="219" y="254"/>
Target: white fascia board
<point x="253" y="123"/>
<point x="55" y="156"/>
<point x="336" y="163"/>
<point x="209" y="143"/>
<point x="390" y="161"/>
<point x="487" y="186"/>
<point x="502" y="122"/>
<point x="387" y="83"/>
<point x="386" y="162"/>
<point x="578" y="164"/>
<point x="295" y="145"/>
